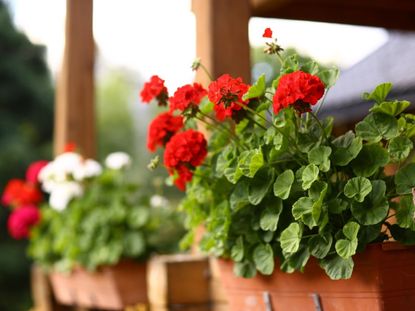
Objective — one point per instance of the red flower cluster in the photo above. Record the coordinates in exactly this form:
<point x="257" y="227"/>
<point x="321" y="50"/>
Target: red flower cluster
<point x="154" y="89"/>
<point x="187" y="96"/>
<point x="299" y="89"/>
<point x="226" y="93"/>
<point x="22" y="220"/>
<point x="184" y="151"/>
<point x="267" y="33"/>
<point x="33" y="171"/>
<point x="161" y="129"/>
<point x="19" y="192"/>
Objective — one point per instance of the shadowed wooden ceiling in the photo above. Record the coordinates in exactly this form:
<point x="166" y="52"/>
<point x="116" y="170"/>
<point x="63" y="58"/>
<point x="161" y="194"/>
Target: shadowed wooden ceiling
<point x="392" y="14"/>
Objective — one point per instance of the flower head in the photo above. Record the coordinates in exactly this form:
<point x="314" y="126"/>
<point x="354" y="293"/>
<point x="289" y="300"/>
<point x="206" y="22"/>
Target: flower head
<point x="161" y="129"/>
<point x="186" y="148"/>
<point x="226" y="94"/>
<point x="32" y="172"/>
<point x="118" y="160"/>
<point x="154" y="89"/>
<point x="88" y="169"/>
<point x="22" y="220"/>
<point x="184" y="175"/>
<point x="299" y="89"/>
<point x="19" y="192"/>
<point x="267" y="33"/>
<point x="187" y="96"/>
<point x="62" y="193"/>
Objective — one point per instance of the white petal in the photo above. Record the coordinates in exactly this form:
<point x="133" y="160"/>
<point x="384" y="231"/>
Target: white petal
<point x="118" y="160"/>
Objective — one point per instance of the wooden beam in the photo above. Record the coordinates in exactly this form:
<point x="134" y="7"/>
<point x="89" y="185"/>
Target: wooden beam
<point x="399" y="14"/>
<point x="74" y="102"/>
<point x="222" y="38"/>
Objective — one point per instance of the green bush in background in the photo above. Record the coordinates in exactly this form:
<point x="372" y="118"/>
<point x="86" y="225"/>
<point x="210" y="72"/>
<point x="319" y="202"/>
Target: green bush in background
<point x="26" y="124"/>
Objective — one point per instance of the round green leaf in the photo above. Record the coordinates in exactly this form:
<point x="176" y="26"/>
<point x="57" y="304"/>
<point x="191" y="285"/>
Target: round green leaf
<point x="283" y="183"/>
<point x="264" y="259"/>
<point x="245" y="269"/>
<point x="337" y="267"/>
<point x="346" y="248"/>
<point x="405" y="179"/>
<point x="377" y="126"/>
<point x="310" y="175"/>
<point x="399" y="148"/>
<point x="237" y="251"/>
<point x="320" y="245"/>
<point x="358" y="188"/>
<point x="290" y="238"/>
<point x="269" y="217"/>
<point x="370" y="159"/>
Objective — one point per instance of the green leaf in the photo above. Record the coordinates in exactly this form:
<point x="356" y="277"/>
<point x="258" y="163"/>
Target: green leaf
<point x="337" y="205"/>
<point x="290" y="238"/>
<point x="405" y="213"/>
<point x="357" y="188"/>
<point x="371" y="158"/>
<point x="375" y="207"/>
<point x="405" y="179"/>
<point x="402" y="235"/>
<point x="239" y="195"/>
<point x="391" y="108"/>
<point x="377" y="126"/>
<point x="301" y="207"/>
<point x="329" y="76"/>
<point x="134" y="244"/>
<point x="237" y="251"/>
<point x="250" y="161"/>
<point x="310" y="175"/>
<point x="337" y="267"/>
<point x="320" y="245"/>
<point x="257" y="89"/>
<point x="269" y="217"/>
<point x="347" y="148"/>
<point x="311" y="67"/>
<point x="320" y="156"/>
<point x="245" y="269"/>
<point x="346" y="248"/>
<point x="264" y="259"/>
<point x="399" y="148"/>
<point x="206" y="106"/>
<point x="290" y="64"/>
<point x="138" y="217"/>
<point x="283" y="183"/>
<point x="379" y="93"/>
<point x="260" y="186"/>
<point x="350" y="230"/>
<point x="233" y="174"/>
<point x="296" y="261"/>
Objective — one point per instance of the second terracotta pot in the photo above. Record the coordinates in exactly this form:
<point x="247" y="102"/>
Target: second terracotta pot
<point x="110" y="287"/>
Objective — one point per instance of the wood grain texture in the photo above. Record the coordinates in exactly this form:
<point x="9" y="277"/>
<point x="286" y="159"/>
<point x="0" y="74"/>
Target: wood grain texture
<point x="74" y="102"/>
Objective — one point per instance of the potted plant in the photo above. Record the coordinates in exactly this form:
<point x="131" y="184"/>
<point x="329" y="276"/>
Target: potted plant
<point x="306" y="214"/>
<point x="95" y="231"/>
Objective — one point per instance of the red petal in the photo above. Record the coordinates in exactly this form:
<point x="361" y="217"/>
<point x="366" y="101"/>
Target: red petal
<point x="267" y="33"/>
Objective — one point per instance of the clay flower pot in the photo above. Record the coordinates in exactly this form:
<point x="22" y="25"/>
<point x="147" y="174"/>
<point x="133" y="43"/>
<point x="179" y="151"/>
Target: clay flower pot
<point x="110" y="287"/>
<point x="383" y="280"/>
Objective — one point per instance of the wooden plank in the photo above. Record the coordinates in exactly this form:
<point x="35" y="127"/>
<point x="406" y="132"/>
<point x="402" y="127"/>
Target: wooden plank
<point x="222" y="38"/>
<point x="178" y="280"/>
<point x="74" y="102"/>
<point x="398" y="14"/>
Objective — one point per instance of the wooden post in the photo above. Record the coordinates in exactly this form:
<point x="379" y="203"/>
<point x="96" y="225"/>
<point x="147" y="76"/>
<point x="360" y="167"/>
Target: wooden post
<point x="222" y="38"/>
<point x="74" y="106"/>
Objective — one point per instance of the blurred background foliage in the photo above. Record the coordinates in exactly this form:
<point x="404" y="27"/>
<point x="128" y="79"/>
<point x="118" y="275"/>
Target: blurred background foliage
<point x="26" y="124"/>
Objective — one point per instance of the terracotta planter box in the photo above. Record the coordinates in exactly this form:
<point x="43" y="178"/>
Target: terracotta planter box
<point x="110" y="287"/>
<point x="383" y="280"/>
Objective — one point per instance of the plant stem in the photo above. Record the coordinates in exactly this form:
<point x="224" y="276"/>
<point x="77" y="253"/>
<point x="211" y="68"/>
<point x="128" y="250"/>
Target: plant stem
<point x="322" y="102"/>
<point x="321" y="127"/>
<point x="206" y="71"/>
<point x="257" y="123"/>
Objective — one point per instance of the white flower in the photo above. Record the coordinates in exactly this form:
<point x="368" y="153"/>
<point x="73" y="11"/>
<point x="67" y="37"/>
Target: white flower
<point x="63" y="193"/>
<point x="67" y="163"/>
<point x="158" y="201"/>
<point x="118" y="160"/>
<point x="89" y="168"/>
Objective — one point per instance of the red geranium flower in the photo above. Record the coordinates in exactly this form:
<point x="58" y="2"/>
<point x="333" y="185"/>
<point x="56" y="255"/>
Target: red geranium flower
<point x="22" y="220"/>
<point x="299" y="89"/>
<point x="267" y="33"/>
<point x="186" y="148"/>
<point x="184" y="176"/>
<point x="19" y="192"/>
<point x="154" y="89"/>
<point x="69" y="147"/>
<point x="187" y="96"/>
<point x="33" y="170"/>
<point x="226" y="93"/>
<point x="161" y="129"/>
